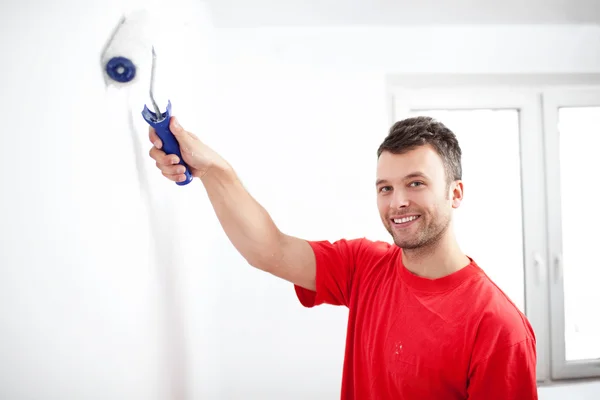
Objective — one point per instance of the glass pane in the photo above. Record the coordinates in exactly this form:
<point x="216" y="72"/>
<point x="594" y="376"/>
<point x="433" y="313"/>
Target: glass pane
<point x="579" y="129"/>
<point x="488" y="224"/>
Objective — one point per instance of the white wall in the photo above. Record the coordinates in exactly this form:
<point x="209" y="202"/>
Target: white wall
<point x="83" y="304"/>
<point x="85" y="312"/>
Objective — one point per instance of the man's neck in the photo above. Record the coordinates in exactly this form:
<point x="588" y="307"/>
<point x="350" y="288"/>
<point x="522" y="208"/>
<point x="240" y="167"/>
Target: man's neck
<point x="436" y="260"/>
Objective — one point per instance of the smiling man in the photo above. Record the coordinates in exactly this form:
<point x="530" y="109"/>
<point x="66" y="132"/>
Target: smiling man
<point x="425" y="321"/>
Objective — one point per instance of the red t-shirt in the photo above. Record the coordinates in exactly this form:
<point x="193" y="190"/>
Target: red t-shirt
<point x="408" y="337"/>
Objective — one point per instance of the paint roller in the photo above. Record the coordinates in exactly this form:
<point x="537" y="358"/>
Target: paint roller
<point x="128" y="59"/>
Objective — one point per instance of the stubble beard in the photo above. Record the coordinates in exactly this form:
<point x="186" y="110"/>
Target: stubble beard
<point x="424" y="238"/>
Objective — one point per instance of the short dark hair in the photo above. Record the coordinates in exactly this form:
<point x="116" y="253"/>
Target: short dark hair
<point x="412" y="132"/>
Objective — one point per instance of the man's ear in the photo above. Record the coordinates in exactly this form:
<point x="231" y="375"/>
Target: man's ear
<point x="456" y="193"/>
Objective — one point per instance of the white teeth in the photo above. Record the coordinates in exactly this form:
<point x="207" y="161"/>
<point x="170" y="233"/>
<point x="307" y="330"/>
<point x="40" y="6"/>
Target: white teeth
<point x="405" y="219"/>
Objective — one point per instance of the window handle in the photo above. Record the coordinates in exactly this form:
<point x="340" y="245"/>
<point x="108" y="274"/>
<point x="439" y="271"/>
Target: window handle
<point x="558" y="268"/>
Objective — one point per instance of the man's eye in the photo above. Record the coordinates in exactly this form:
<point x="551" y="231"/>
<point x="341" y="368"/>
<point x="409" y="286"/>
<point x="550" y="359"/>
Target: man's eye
<point x="385" y="188"/>
<point x="416" y="184"/>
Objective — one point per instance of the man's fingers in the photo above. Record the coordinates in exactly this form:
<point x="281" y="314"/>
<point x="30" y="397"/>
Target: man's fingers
<point x="175" y="177"/>
<point x="169" y="164"/>
<point x="171" y="169"/>
<point x="175" y="126"/>
<point x="161" y="158"/>
<point x="154" y="139"/>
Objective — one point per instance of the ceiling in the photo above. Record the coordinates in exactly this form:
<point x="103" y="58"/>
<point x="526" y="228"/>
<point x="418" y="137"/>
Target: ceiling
<point x="295" y="13"/>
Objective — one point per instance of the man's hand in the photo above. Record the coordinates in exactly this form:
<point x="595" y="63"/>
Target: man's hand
<point x="198" y="156"/>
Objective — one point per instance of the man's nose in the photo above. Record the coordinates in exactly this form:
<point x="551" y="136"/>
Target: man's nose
<point x="399" y="199"/>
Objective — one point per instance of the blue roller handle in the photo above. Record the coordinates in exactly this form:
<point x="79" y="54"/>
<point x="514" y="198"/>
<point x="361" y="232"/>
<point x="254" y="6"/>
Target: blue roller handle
<point x="170" y="144"/>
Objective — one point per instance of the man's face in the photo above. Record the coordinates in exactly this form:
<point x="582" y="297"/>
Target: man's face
<point x="414" y="200"/>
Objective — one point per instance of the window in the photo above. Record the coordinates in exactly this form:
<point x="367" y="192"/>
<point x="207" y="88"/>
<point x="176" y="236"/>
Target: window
<point x="531" y="166"/>
<point x="572" y="121"/>
<point x="578" y="234"/>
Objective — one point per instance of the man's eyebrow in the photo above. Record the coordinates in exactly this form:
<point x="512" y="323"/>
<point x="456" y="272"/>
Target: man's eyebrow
<point x="416" y="174"/>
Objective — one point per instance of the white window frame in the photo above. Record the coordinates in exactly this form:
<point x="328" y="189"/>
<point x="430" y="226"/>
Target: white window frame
<point x="554" y="99"/>
<point x="537" y="98"/>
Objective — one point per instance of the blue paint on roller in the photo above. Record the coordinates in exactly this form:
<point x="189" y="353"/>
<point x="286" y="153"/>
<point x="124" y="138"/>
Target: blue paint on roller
<point x="120" y="69"/>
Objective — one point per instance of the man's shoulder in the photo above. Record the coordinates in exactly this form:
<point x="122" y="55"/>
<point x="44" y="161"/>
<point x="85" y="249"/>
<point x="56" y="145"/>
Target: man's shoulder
<point x="370" y="251"/>
<point x="500" y="322"/>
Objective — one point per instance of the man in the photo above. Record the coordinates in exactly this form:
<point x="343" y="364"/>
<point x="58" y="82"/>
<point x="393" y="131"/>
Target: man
<point x="425" y="322"/>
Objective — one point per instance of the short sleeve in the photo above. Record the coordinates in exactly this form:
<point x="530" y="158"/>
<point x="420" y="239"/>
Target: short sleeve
<point x="508" y="373"/>
<point x="335" y="268"/>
